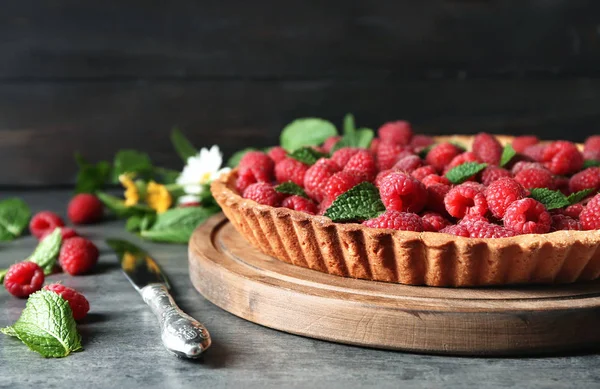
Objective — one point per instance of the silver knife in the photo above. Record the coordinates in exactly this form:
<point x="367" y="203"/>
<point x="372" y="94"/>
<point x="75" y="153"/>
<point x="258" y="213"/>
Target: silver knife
<point x="181" y="334"/>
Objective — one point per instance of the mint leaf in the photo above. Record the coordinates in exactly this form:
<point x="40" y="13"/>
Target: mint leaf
<point x="349" y="124"/>
<point x="576" y="197"/>
<point x="47" y="326"/>
<point x="118" y="207"/>
<point x="306" y="155"/>
<point x="306" y="132"/>
<point x="131" y="161"/>
<point x="291" y="188"/>
<point x="46" y="252"/>
<point x="362" y="202"/>
<point x="360" y="138"/>
<point x="423" y="153"/>
<point x="463" y="172"/>
<point x="134" y="223"/>
<point x="507" y="154"/>
<point x="90" y="177"/>
<point x="166" y="176"/>
<point x="235" y="159"/>
<point x="182" y="145"/>
<point x="14" y="217"/>
<point x="458" y="144"/>
<point x="590" y="163"/>
<point x="551" y="199"/>
<point x="177" y="224"/>
<point x="8" y="331"/>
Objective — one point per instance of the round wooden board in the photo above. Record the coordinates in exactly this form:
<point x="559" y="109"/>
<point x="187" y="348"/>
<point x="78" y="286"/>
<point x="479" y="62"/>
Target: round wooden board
<point x="232" y="274"/>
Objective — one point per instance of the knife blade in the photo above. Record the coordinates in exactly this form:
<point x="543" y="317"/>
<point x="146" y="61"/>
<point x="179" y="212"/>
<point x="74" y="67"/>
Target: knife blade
<point x="181" y="334"/>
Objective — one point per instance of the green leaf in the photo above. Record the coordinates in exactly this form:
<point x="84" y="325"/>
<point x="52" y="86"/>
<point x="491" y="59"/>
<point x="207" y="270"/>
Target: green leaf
<point x="306" y="132"/>
<point x="14" y="217"/>
<point x="423" y="153"/>
<point x="182" y="145"/>
<point x="46" y="252"/>
<point x="134" y="223"/>
<point x="507" y="154"/>
<point x="3" y="274"/>
<point x="235" y="159"/>
<point x="361" y="138"/>
<point x="349" y="124"/>
<point x="147" y="221"/>
<point x="458" y="144"/>
<point x="576" y="197"/>
<point x="90" y="177"/>
<point x="131" y="161"/>
<point x="47" y="326"/>
<point x="362" y="202"/>
<point x="463" y="172"/>
<point x="118" y="207"/>
<point x="166" y="176"/>
<point x="551" y="199"/>
<point x="590" y="163"/>
<point x="9" y="331"/>
<point x="291" y="188"/>
<point x="306" y="155"/>
<point x="177" y="224"/>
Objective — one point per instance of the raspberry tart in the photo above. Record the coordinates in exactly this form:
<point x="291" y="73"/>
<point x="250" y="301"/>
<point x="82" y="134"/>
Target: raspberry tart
<point x="455" y="211"/>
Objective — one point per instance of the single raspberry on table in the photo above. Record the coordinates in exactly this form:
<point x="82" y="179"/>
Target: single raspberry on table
<point x="590" y="216"/>
<point x="501" y="193"/>
<point x="423" y="172"/>
<point x="44" y="222"/>
<point x="341" y="182"/>
<point x="535" y="178"/>
<point x="330" y="142"/>
<point x="409" y="163"/>
<point x="259" y="164"/>
<point x="389" y="153"/>
<point x="520" y="143"/>
<point x="535" y="152"/>
<point x="399" y="132"/>
<point x="343" y="155"/>
<point x="263" y="193"/>
<point x="463" y="200"/>
<point x="290" y="169"/>
<point x="562" y="158"/>
<point x="23" y="279"/>
<point x="85" y="208"/>
<point x="527" y="216"/>
<point x="78" y="255"/>
<point x="435" y="198"/>
<point x="362" y="163"/>
<point x="434" y="222"/>
<point x="277" y="154"/>
<point x="563" y="222"/>
<point x="493" y="173"/>
<point x="441" y="155"/>
<point x="244" y="181"/>
<point x="434" y="179"/>
<point x="465" y="157"/>
<point x="585" y="179"/>
<point x="484" y="229"/>
<point x="419" y="142"/>
<point x="487" y="148"/>
<point x="591" y="148"/>
<point x="300" y="203"/>
<point x="396" y="220"/>
<point x="401" y="192"/>
<point x="456" y="229"/>
<point x="78" y="303"/>
<point x="316" y="177"/>
<point x="523" y="165"/>
<point x="65" y="232"/>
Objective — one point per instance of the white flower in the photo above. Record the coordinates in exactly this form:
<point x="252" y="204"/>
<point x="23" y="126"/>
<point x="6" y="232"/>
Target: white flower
<point x="200" y="170"/>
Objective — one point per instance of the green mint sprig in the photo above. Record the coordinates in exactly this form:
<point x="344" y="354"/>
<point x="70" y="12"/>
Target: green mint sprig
<point x="184" y="148"/>
<point x="306" y="132"/>
<point x="306" y="155"/>
<point x="590" y="163"/>
<point x="46" y="252"/>
<point x="507" y="154"/>
<point x="14" y="217"/>
<point x="553" y="199"/>
<point x="91" y="177"/>
<point x="462" y="173"/>
<point x="176" y="225"/>
<point x="362" y="202"/>
<point x="291" y="188"/>
<point x="353" y="137"/>
<point x="131" y="161"/>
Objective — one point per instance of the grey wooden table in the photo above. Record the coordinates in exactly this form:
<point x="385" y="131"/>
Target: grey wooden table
<point x="122" y="346"/>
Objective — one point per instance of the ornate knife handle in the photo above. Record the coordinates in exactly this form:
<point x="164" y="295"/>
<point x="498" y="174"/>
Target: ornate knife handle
<point x="181" y="333"/>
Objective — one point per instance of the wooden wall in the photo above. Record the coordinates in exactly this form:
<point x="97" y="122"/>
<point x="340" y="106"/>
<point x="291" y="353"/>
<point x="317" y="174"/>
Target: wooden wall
<point x="98" y="76"/>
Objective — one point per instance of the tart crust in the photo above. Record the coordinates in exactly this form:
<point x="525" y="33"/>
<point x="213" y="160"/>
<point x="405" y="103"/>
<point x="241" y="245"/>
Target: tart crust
<point x="406" y="257"/>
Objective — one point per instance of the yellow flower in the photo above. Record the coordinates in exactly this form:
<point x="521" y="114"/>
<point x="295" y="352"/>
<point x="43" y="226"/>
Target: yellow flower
<point x="132" y="195"/>
<point x="158" y="197"/>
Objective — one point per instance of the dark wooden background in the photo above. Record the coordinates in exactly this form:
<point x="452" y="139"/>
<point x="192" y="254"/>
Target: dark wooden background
<point x="98" y="76"/>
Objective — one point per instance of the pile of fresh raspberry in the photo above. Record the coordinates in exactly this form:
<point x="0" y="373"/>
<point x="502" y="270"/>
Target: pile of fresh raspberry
<point x="410" y="172"/>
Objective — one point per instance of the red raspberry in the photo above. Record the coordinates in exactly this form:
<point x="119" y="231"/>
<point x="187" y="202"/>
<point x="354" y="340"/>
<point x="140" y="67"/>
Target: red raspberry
<point x="44" y="222"/>
<point x="419" y="142"/>
<point x="434" y="179"/>
<point x="456" y="230"/>
<point x="463" y="200"/>
<point x="483" y="229"/>
<point x="493" y="173"/>
<point x="23" y="279"/>
<point x="591" y="148"/>
<point x="561" y="184"/>
<point x="434" y="221"/>
<point x="263" y="193"/>
<point x="277" y="154"/>
<point x="78" y="303"/>
<point x="362" y="163"/>
<point x="590" y="216"/>
<point x="535" y="178"/>
<point x="396" y="220"/>
<point x="435" y="198"/>
<point x="520" y="143"/>
<point x="460" y="159"/>
<point x="562" y="222"/>
<point x="324" y="205"/>
<point x="401" y="192"/>
<point x="78" y="255"/>
<point x="523" y="165"/>
<point x="473" y="218"/>
<point x="409" y="163"/>
<point x="441" y="155"/>
<point x="330" y="142"/>
<point x="527" y="216"/>
<point x="257" y="163"/>
<point x="341" y="182"/>
<point x="85" y="208"/>
<point x="501" y="193"/>
<point x="374" y="146"/>
<point x="399" y="132"/>
<point x="65" y="232"/>
<point x="299" y="203"/>
<point x="562" y="158"/>
<point x="487" y="148"/>
<point x="585" y="179"/>
<point x="242" y="182"/>
<point x="381" y="175"/>
<point x="390" y="153"/>
<point x="316" y="178"/>
<point x="290" y="170"/>
<point x="535" y="152"/>
<point x="423" y="172"/>
<point x="343" y="155"/>
<point x="573" y="211"/>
